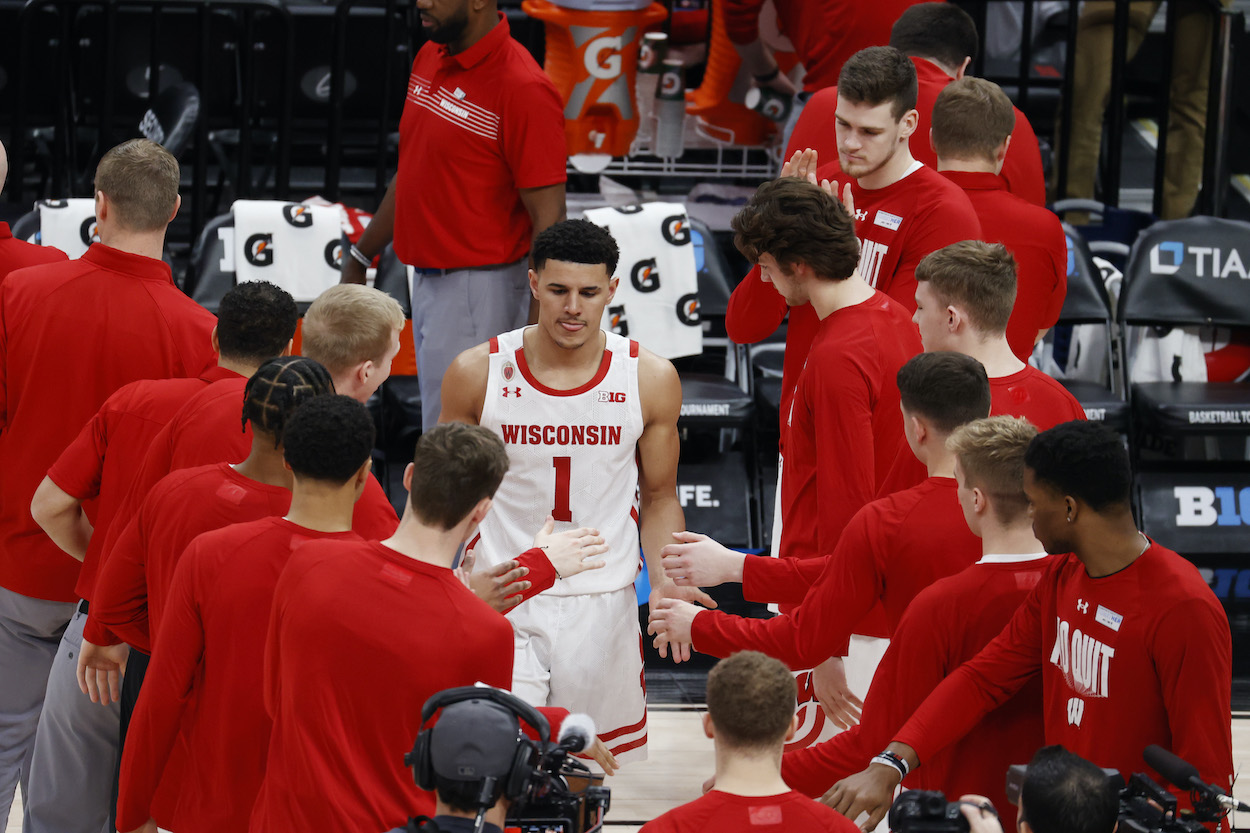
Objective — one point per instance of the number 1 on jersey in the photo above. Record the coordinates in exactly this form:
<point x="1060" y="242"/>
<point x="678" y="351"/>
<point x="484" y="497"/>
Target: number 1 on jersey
<point x="564" y="468"/>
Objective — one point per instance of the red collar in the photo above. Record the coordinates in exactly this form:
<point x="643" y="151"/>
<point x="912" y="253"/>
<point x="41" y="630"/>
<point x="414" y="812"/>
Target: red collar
<point x="478" y="52"/>
<point x="976" y="180"/>
<point x="928" y="72"/>
<point x="125" y="263"/>
<point x="216" y="373"/>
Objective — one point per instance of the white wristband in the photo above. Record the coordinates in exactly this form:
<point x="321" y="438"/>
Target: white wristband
<point x="360" y="257"/>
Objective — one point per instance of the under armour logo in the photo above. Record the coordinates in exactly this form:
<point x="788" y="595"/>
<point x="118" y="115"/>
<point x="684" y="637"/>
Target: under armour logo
<point x="512" y="392"/>
<point x="1082" y="605"/>
<point x="1076" y="710"/>
<point x="861" y="214"/>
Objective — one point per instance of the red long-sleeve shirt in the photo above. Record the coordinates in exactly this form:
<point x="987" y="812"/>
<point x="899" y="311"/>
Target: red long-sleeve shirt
<point x="104" y="458"/>
<point x="18" y="254"/>
<point x="360" y="636"/>
<point x="72" y="333"/>
<point x="1033" y="395"/>
<point x="1035" y="238"/>
<point x="1138" y="657"/>
<point x="945" y="625"/>
<point x="891" y="550"/>
<point x="204" y="683"/>
<point x="721" y="812"/>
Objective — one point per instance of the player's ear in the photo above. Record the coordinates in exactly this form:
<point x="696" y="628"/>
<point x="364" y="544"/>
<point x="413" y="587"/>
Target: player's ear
<point x="289" y="350"/>
<point x="708" y="729"/>
<point x="212" y="339"/>
<point x="954" y="318"/>
<point x="979" y="502"/>
<point x="794" y="728"/>
<point x="909" y="123"/>
<point x="613" y="283"/>
<point x="408" y="477"/>
<point x="963" y="68"/>
<point x="177" y="205"/>
<point x="362" y="475"/>
<point x="533" y="283"/>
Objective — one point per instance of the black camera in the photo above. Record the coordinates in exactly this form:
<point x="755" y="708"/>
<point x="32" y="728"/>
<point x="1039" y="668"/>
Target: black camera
<point x="1145" y="806"/>
<point x="564" y="797"/>
<point x="926" y="811"/>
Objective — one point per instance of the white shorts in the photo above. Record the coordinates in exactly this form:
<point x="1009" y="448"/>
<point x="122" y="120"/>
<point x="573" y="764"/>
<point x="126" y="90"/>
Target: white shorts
<point x="863" y="656"/>
<point x="584" y="653"/>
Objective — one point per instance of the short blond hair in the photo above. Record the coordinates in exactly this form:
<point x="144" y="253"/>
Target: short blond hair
<point x="980" y="277"/>
<point x="991" y="455"/>
<point x="349" y="324"/>
<point x="140" y="179"/>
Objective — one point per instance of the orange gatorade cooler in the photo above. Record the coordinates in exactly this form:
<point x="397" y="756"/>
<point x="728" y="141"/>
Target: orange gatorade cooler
<point x="592" y="56"/>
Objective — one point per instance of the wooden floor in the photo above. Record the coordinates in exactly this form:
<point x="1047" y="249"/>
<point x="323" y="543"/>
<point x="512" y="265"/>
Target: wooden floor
<point x="680" y="760"/>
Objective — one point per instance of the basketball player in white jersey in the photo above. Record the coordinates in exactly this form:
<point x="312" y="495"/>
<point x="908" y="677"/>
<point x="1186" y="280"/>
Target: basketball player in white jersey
<point x="589" y="419"/>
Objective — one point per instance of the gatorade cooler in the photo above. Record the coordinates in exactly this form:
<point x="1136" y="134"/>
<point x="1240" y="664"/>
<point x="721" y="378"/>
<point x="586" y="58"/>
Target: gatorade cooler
<point x="592" y="56"/>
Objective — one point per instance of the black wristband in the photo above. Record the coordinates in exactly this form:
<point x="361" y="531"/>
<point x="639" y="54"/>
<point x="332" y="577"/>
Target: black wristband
<point x="768" y="76"/>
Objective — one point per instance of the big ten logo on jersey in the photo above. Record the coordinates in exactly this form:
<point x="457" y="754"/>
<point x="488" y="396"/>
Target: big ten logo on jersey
<point x="334" y="254"/>
<point x="700" y="496"/>
<point x="871" y="256"/>
<point x="676" y="229"/>
<point x="688" y="309"/>
<point x="1218" y="506"/>
<point x="259" y="249"/>
<point x="601" y="48"/>
<point x="89" y="232"/>
<point x="297" y="215"/>
<point x="1168" y="256"/>
<point x="645" y="276"/>
<point x="617" y="322"/>
<point x="1085" y="660"/>
<point x="612" y="396"/>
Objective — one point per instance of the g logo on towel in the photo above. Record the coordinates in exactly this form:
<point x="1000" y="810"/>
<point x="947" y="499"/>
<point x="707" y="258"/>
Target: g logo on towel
<point x="87" y="231"/>
<point x="334" y="254"/>
<point x="644" y="276"/>
<point x="688" y="309"/>
<point x="617" y="321"/>
<point x="259" y="250"/>
<point x="297" y="215"/>
<point x="676" y="230"/>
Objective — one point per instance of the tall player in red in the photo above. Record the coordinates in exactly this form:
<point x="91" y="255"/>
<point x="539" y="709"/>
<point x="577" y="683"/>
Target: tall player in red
<point x="964" y="298"/>
<point x="587" y="417"/>
<point x="1131" y="646"/>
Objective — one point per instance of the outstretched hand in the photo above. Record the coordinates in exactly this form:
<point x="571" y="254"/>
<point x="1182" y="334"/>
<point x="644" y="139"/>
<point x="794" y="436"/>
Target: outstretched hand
<point x="500" y="586"/>
<point x="836" y="698"/>
<point x="870" y="791"/>
<point x="668" y="590"/>
<point x="698" y="561"/>
<point x="571" y="552"/>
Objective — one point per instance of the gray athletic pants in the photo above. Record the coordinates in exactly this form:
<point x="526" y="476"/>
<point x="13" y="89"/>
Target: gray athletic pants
<point x="71" y="776"/>
<point x="30" y="631"/>
<point x="455" y="309"/>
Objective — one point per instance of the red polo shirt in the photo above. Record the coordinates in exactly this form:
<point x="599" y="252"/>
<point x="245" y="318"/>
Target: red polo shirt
<point x="1035" y="238"/>
<point x="477" y="126"/>
<point x="18" y="254"/>
<point x="71" y="334"/>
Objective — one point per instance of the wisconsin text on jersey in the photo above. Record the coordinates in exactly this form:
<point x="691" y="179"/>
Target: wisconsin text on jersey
<point x="561" y="434"/>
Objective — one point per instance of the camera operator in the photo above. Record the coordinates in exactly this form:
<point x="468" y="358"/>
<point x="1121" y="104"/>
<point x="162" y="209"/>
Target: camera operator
<point x="1131" y="644"/>
<point x="750" y="716"/>
<point x="1064" y="793"/>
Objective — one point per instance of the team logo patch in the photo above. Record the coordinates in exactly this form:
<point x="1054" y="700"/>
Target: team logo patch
<point x="611" y="396"/>
<point x="507" y="391"/>
<point x="297" y="215"/>
<point x="508" y="371"/>
<point x="688" y="309"/>
<point x="676" y="229"/>
<point x="87" y="231"/>
<point x="887" y="220"/>
<point x="645" y="276"/>
<point x="334" y="254"/>
<point x="259" y="250"/>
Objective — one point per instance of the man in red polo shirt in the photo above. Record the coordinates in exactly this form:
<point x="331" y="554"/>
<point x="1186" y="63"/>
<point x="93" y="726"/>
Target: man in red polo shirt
<point x="105" y="320"/>
<point x="972" y="131"/>
<point x="481" y="172"/>
<point x="18" y="254"/>
<point x="71" y="782"/>
<point x="964" y="298"/>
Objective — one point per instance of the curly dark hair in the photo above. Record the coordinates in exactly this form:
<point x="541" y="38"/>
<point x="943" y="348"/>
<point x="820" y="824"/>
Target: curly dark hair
<point x="328" y="438"/>
<point x="1084" y="460"/>
<point x="277" y="388"/>
<point x="255" y="321"/>
<point x="797" y="222"/>
<point x="576" y="241"/>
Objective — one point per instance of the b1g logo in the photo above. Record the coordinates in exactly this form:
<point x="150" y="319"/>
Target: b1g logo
<point x="259" y="250"/>
<point x="612" y="396"/>
<point x="334" y="254"/>
<point x="1167" y="257"/>
<point x="617" y="322"/>
<point x="688" y="309"/>
<point x="1221" y="506"/>
<point x="645" y="276"/>
<point x="88" y="232"/>
<point x="297" y="215"/>
<point x="676" y="229"/>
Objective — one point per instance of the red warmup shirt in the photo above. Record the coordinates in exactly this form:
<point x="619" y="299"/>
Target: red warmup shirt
<point x="944" y="626"/>
<point x="18" y="254"/>
<point x="1033" y="395"/>
<point x="1035" y="238"/>
<point x="722" y="812"/>
<point x="897" y="226"/>
<point x="477" y="127"/>
<point x="360" y="636"/>
<point x="1138" y="657"/>
<point x="824" y="34"/>
<point x="71" y="334"/>
<point x="891" y="550"/>
<point x="104" y="458"/>
<point x="845" y="429"/>
<point x="204" y="683"/>
<point x="1022" y="169"/>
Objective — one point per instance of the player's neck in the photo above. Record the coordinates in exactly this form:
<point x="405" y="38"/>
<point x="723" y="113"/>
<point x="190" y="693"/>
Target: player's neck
<point x="560" y="367"/>
<point x="937" y="460"/>
<point x="891" y="172"/>
<point x="1012" y="539"/>
<point x="146" y="244"/>
<point x="322" y="507"/>
<point x="739" y="774"/>
<point x="427" y="544"/>
<point x="971" y="166"/>
<point x="827" y="297"/>
<point x="264" y="463"/>
<point x="243" y="368"/>
<point x="1108" y="544"/>
<point x="994" y="353"/>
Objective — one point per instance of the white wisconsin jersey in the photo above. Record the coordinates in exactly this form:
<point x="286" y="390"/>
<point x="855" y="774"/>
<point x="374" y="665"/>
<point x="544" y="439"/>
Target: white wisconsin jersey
<point x="571" y="455"/>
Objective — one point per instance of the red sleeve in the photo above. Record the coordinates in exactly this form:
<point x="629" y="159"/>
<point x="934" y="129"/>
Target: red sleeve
<point x="781" y="580"/>
<point x="813" y="769"/>
<point x="272" y="693"/>
<point x="1192" y="652"/>
<point x="755" y="310"/>
<point x="541" y="575"/>
<point x="157" y="462"/>
<point x="1023" y="166"/>
<point x="981" y="684"/>
<point x="167" y="689"/>
<point x="742" y="20"/>
<point x="78" y="470"/>
<point x="533" y="135"/>
<point x="820" y="627"/>
<point x="373" y="517"/>
<point x="4" y="360"/>
<point x="842" y="412"/>
<point x="949" y="218"/>
<point x="1057" y="249"/>
<point x="120" y="601"/>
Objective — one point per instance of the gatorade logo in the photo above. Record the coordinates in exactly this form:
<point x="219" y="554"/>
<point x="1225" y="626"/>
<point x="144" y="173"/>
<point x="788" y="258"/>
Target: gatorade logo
<point x="617" y="322"/>
<point x="88" y="232"/>
<point x="598" y="66"/>
<point x="297" y="215"/>
<point x="645" y="276"/>
<point x="676" y="230"/>
<point x="60" y="204"/>
<point x="688" y="309"/>
<point x="259" y="250"/>
<point x="629" y="209"/>
<point x="334" y="254"/>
